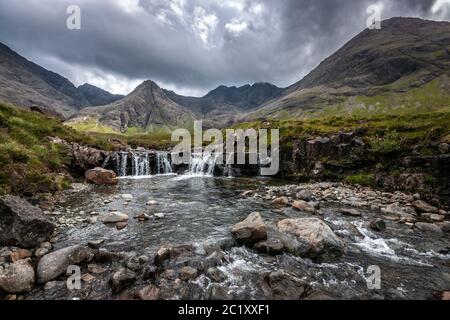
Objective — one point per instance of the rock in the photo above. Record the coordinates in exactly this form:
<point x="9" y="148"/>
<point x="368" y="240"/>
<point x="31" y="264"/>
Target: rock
<point x="351" y="212"/>
<point x="304" y="195"/>
<point x="446" y="296"/>
<point x="54" y="264"/>
<point x="17" y="277"/>
<point x="270" y="246"/>
<point x="445" y="226"/>
<point x="152" y="202"/>
<point x="40" y="252"/>
<point x="188" y="273"/>
<point x="428" y="227"/>
<point x="103" y="255"/>
<point x="121" y="225"/>
<point x="316" y="239"/>
<point x="281" y="285"/>
<point x="218" y="292"/>
<point x="303" y="206"/>
<point x="22" y="224"/>
<point x="88" y="278"/>
<point x="101" y="176"/>
<point x="215" y="274"/>
<point x="114" y="217"/>
<point x="422" y="206"/>
<point x="150" y="272"/>
<point x="159" y="215"/>
<point x="127" y="196"/>
<point x="281" y="201"/>
<point x="251" y="230"/>
<point x="95" y="244"/>
<point x="122" y="279"/>
<point x="96" y="269"/>
<point x="150" y="292"/>
<point x="142" y="217"/>
<point x="248" y="193"/>
<point x="416" y="196"/>
<point x="19" y="255"/>
<point x="162" y="254"/>
<point x="437" y="217"/>
<point x="377" y="225"/>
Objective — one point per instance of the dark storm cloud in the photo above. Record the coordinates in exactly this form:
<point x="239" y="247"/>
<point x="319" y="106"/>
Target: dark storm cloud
<point x="192" y="45"/>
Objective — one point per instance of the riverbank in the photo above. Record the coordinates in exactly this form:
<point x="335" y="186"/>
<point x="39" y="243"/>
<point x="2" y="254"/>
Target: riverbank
<point x="180" y="241"/>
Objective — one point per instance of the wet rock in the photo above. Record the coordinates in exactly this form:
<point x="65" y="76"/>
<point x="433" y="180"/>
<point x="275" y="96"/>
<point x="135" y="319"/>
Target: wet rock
<point x="247" y="193"/>
<point x="150" y="292"/>
<point x="218" y="292"/>
<point x="95" y="244"/>
<point x="251" y="230"/>
<point x="142" y="217"/>
<point x="54" y="264"/>
<point x="215" y="259"/>
<point x="152" y="202"/>
<point x="377" y="225"/>
<point x="219" y="243"/>
<point x="270" y="246"/>
<point x="215" y="274"/>
<point x="104" y="255"/>
<point x="114" y="217"/>
<point x="150" y="272"/>
<point x="281" y="285"/>
<point x="437" y="218"/>
<point x="446" y="296"/>
<point x="19" y="254"/>
<point x="281" y="201"/>
<point x="88" y="278"/>
<point x="40" y="252"/>
<point x="305" y="195"/>
<point x="22" y="224"/>
<point x="428" y="227"/>
<point x="422" y="206"/>
<point x="445" y="226"/>
<point x="17" y="277"/>
<point x="127" y="197"/>
<point x="188" y="273"/>
<point x="101" y="176"/>
<point x="162" y="254"/>
<point x="159" y="215"/>
<point x="122" y="279"/>
<point x="315" y="238"/>
<point x="96" y="269"/>
<point x="303" y="206"/>
<point x="351" y="212"/>
<point x="121" y="225"/>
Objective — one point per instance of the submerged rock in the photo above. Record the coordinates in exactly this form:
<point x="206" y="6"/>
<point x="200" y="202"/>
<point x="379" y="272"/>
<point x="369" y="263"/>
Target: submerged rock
<point x="270" y="246"/>
<point x="122" y="279"/>
<point x="281" y="285"/>
<point x="377" y="225"/>
<point x="281" y="201"/>
<point x="54" y="264"/>
<point x="114" y="217"/>
<point x="22" y="224"/>
<point x="315" y="238"/>
<point x="17" y="277"/>
<point x="251" y="230"/>
<point x="101" y="176"/>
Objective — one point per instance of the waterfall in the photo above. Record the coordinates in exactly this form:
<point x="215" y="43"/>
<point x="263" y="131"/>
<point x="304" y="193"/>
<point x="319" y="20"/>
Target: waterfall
<point x="140" y="163"/>
<point x="202" y="164"/>
<point x="162" y="163"/>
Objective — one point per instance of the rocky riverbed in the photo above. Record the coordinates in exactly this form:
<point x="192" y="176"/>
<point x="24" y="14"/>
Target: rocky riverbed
<point x="198" y="237"/>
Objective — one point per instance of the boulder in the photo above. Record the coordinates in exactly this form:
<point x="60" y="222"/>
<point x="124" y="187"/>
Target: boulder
<point x="17" y="277"/>
<point x="301" y="205"/>
<point x="251" y="230"/>
<point x="281" y="285"/>
<point x="284" y="201"/>
<point x="271" y="246"/>
<point x="377" y="225"/>
<point x="315" y="239"/>
<point x="101" y="176"/>
<point x="54" y="264"/>
<point x="122" y="279"/>
<point x="422" y="206"/>
<point x="22" y="224"/>
<point x="114" y="217"/>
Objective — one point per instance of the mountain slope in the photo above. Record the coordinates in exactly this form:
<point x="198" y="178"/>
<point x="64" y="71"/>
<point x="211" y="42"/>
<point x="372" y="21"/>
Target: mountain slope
<point x="220" y="105"/>
<point x="96" y="96"/>
<point x="144" y="109"/>
<point x="405" y="64"/>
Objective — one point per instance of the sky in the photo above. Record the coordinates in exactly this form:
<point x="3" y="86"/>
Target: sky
<point x="191" y="46"/>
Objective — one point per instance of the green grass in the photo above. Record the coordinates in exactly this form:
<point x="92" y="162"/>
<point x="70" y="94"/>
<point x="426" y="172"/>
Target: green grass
<point x="30" y="162"/>
<point x="362" y="179"/>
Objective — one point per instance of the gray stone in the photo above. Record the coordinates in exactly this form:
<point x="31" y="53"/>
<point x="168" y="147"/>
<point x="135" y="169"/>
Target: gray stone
<point x="251" y="230"/>
<point x="122" y="279"/>
<point x="17" y="277"/>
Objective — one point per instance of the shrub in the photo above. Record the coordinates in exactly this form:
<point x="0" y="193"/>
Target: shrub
<point x="363" y="179"/>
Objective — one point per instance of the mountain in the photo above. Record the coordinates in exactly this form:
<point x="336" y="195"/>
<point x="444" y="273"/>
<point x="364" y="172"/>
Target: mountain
<point x="146" y="108"/>
<point x="26" y="84"/>
<point x="223" y="103"/>
<point x="96" y="96"/>
<point x="406" y="64"/>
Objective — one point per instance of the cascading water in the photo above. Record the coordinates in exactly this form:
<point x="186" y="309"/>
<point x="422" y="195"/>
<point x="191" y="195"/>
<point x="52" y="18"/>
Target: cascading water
<point x="140" y="163"/>
<point x="163" y="164"/>
<point x="202" y="164"/>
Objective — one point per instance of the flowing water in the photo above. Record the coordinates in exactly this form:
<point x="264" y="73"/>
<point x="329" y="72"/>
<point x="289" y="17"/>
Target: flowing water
<point x="198" y="208"/>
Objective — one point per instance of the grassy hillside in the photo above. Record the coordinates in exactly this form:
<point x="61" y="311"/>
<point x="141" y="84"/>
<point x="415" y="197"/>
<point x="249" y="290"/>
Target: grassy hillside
<point x="30" y="162"/>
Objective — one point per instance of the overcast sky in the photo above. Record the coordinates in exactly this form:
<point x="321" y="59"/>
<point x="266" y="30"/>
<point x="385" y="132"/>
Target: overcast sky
<point x="191" y="46"/>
